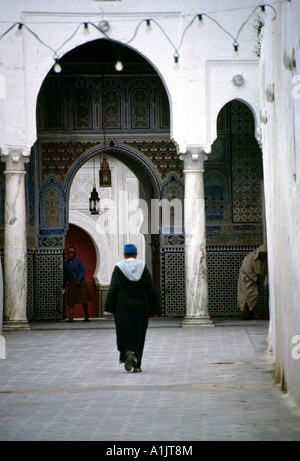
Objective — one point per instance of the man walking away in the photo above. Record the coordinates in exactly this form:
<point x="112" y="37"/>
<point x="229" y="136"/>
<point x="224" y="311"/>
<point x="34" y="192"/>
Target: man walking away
<point x="132" y="300"/>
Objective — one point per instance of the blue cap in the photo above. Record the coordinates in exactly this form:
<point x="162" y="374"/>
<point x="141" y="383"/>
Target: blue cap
<point x="130" y="249"/>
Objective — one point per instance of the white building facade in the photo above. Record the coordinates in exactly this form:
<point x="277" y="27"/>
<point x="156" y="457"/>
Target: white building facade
<point x="206" y="55"/>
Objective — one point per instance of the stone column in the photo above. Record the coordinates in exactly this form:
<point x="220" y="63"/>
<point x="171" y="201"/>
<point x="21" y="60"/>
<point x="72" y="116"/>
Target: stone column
<point x="195" y="239"/>
<point x="15" y="248"/>
<point x="1" y="297"/>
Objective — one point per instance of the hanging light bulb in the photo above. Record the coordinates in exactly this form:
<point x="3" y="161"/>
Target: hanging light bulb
<point x="19" y="30"/>
<point x="57" y="67"/>
<point x="119" y="66"/>
<point x="86" y="29"/>
<point x="176" y="62"/>
<point x="201" y="23"/>
<point x="148" y="25"/>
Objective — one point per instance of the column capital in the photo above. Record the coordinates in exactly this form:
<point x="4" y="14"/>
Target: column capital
<point x="15" y="157"/>
<point x="194" y="157"/>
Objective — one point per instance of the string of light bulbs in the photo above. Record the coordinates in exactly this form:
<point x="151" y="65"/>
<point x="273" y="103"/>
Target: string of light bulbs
<point x="119" y="66"/>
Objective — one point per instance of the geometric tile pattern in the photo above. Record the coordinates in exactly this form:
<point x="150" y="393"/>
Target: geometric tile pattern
<point x="163" y="155"/>
<point x="246" y="166"/>
<point x="223" y="266"/>
<point x="173" y="283"/>
<point x="232" y="180"/>
<point x="49" y="300"/>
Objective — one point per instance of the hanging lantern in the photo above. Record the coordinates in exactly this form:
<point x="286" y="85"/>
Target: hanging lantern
<point x="94" y="198"/>
<point x="104" y="174"/>
<point x="94" y="202"/>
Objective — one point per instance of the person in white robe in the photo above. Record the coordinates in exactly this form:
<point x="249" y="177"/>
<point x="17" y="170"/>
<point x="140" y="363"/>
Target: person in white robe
<point x="251" y="276"/>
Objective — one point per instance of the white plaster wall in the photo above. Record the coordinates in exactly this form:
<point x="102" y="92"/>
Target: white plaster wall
<point x="280" y="142"/>
<point x="25" y="61"/>
<point x="220" y="89"/>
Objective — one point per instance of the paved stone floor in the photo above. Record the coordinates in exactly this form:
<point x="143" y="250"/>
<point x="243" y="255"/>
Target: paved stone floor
<point x="63" y="382"/>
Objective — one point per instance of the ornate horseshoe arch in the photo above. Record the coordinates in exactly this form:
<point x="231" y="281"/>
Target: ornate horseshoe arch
<point x="139" y="163"/>
<point x="143" y="169"/>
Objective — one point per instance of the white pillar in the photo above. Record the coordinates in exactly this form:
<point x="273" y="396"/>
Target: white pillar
<point x="15" y="248"/>
<point x="1" y="297"/>
<point x="195" y="239"/>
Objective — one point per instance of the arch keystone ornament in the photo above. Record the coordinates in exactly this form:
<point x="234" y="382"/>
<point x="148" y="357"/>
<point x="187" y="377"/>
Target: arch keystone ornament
<point x="195" y="239"/>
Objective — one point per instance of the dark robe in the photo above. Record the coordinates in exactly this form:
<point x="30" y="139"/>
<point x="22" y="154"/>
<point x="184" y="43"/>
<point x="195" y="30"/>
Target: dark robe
<point x="77" y="294"/>
<point x="132" y="303"/>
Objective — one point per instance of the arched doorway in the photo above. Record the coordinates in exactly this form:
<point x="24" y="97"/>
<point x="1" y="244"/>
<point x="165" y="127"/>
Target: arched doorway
<point x="121" y="213"/>
<point x="85" y="251"/>
<point x="88" y="109"/>
<point x="234" y="200"/>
